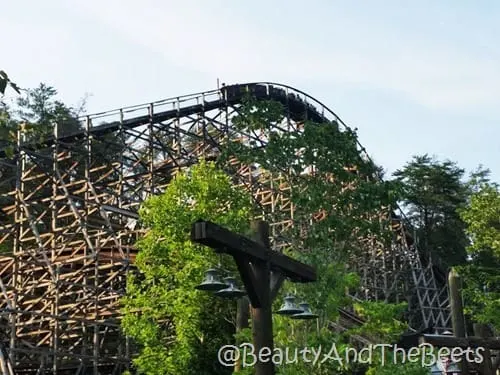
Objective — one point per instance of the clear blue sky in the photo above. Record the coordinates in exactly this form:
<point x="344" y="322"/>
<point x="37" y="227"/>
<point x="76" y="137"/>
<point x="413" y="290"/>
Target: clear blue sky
<point x="414" y="77"/>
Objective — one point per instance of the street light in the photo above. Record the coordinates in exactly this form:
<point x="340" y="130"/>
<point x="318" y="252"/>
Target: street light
<point x="306" y="313"/>
<point x="289" y="307"/>
<point x="262" y="272"/>
<point x="231" y="291"/>
<point x="211" y="281"/>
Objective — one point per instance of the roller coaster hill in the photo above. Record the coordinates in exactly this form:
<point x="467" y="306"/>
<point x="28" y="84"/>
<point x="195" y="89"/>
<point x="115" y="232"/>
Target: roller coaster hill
<point x="69" y="223"/>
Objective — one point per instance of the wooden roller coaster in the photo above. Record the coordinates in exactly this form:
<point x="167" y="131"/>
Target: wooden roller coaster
<point x="69" y="222"/>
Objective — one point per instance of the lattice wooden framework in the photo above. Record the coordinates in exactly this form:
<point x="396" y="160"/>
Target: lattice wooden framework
<point x="69" y="221"/>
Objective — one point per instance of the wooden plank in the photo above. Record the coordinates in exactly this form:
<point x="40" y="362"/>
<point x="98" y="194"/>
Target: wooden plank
<point x="225" y="241"/>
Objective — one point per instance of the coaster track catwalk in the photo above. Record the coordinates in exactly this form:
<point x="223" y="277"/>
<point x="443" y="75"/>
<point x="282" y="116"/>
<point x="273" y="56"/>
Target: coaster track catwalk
<point x="68" y="223"/>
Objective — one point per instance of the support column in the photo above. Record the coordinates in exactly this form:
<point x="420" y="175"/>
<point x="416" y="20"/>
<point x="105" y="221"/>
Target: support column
<point x="262" y="319"/>
<point x="486" y="367"/>
<point x="457" y="311"/>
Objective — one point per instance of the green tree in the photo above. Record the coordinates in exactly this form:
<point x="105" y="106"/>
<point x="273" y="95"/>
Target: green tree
<point x="336" y="206"/>
<point x="432" y="191"/>
<point x="482" y="216"/>
<point x="40" y="111"/>
<point x="482" y="274"/>
<point x="179" y="329"/>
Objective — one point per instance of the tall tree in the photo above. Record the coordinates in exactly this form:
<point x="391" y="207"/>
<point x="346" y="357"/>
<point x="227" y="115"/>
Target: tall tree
<point x="179" y="329"/>
<point x="482" y="216"/>
<point x="432" y="191"/>
<point x="40" y="111"/>
<point x="335" y="208"/>
<point x="482" y="274"/>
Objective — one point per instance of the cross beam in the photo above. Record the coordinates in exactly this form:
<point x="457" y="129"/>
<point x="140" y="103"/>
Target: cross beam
<point x="225" y="241"/>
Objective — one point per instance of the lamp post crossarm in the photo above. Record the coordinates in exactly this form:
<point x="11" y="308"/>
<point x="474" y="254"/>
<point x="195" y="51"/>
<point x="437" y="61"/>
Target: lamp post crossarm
<point x="223" y="240"/>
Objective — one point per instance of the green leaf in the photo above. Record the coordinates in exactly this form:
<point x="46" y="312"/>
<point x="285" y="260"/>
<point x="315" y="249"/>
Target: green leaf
<point x="9" y="151"/>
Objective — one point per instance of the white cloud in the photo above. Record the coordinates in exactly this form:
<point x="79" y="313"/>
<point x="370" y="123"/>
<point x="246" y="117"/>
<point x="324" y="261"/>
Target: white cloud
<point x="211" y="39"/>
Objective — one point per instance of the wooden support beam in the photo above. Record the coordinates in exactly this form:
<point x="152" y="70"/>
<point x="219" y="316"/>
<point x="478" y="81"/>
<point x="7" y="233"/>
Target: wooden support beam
<point x="262" y="318"/>
<point x="457" y="311"/>
<point x="225" y="241"/>
<point x="486" y="367"/>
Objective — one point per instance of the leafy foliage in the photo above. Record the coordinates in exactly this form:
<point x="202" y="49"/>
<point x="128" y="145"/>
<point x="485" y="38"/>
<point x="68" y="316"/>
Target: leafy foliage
<point x="482" y="217"/>
<point x="391" y="367"/>
<point x="7" y="129"/>
<point x="482" y="276"/>
<point x="179" y="329"/>
<point x="432" y="191"/>
<point x="381" y="320"/>
<point x="338" y="200"/>
<point x="39" y="110"/>
<point x="324" y="170"/>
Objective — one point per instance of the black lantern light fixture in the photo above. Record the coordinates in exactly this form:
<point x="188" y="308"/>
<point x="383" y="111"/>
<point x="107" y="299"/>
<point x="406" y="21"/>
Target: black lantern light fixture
<point x="306" y="313"/>
<point x="231" y="291"/>
<point x="211" y="282"/>
<point x="289" y="307"/>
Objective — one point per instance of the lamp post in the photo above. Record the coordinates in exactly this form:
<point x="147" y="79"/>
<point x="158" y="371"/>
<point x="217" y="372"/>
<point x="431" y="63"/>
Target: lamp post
<point x="262" y="272"/>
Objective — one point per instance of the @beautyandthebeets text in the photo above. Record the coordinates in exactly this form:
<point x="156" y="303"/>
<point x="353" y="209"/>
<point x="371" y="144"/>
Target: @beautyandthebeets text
<point x="425" y="354"/>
